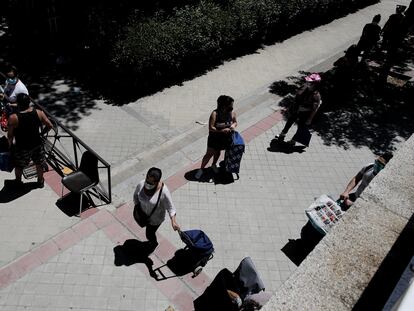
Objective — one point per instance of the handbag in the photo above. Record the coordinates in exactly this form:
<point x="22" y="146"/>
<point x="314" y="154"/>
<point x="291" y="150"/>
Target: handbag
<point x="140" y="216"/>
<point x="302" y="135"/>
<point x="236" y="139"/>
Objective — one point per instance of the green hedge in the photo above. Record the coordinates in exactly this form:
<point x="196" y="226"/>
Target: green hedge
<point x="163" y="49"/>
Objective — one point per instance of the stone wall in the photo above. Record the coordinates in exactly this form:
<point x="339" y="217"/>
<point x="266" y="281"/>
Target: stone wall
<point x="360" y="260"/>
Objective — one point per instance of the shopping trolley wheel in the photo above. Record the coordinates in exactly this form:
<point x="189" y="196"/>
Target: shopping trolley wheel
<point x="197" y="271"/>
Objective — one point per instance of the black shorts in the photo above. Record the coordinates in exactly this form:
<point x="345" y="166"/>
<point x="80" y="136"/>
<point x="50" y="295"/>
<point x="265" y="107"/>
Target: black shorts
<point x="218" y="141"/>
<point x="22" y="157"/>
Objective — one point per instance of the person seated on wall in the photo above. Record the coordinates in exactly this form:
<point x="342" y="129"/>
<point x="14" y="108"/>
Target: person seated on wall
<point x="363" y="178"/>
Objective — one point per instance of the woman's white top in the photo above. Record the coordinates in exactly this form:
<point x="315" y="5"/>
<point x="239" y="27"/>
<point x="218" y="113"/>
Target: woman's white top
<point x="147" y="203"/>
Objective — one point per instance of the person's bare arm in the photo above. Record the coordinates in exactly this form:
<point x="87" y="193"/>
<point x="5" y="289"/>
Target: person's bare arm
<point x="45" y="120"/>
<point x="211" y="122"/>
<point x="351" y="185"/>
<point x="233" y="121"/>
<point x="174" y="223"/>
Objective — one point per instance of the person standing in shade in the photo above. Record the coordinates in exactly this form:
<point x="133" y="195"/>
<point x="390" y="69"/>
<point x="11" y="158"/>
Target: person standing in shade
<point x="24" y="129"/>
<point x="370" y="37"/>
<point x="146" y="197"/>
<point x="363" y="178"/>
<point x="307" y="102"/>
<point x="392" y="32"/>
<point x="221" y="123"/>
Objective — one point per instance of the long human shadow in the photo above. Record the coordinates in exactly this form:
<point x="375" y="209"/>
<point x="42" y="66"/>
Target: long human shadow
<point x="221" y="177"/>
<point x="284" y="147"/>
<point x="132" y="252"/>
<point x="366" y="111"/>
<point x="11" y="191"/>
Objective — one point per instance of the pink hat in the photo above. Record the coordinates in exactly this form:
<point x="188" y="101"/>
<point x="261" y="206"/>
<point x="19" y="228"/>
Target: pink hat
<point x="314" y="77"/>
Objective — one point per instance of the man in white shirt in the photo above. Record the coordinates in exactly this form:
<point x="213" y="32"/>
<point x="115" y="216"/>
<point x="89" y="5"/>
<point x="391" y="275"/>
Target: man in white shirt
<point x="13" y="87"/>
<point x="363" y="178"/>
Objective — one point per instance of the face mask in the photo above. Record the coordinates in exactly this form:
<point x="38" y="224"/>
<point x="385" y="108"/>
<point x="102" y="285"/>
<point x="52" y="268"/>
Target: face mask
<point x="149" y="186"/>
<point x="378" y="166"/>
<point x="12" y="80"/>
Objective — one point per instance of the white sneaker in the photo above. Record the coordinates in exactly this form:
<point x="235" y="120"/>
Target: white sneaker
<point x="215" y="169"/>
<point x="198" y="174"/>
<point x="281" y="137"/>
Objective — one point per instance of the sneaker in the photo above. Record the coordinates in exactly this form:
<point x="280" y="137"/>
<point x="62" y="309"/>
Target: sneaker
<point x="215" y="169"/>
<point x="281" y="137"/>
<point x="291" y="143"/>
<point x="198" y="174"/>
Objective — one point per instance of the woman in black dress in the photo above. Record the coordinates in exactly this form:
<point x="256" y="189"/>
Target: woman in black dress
<point x="221" y="123"/>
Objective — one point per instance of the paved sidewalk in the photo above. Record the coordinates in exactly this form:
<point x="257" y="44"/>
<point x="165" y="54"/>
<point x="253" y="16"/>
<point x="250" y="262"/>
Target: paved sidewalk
<point x="50" y="261"/>
<point x="75" y="269"/>
<point x="124" y="136"/>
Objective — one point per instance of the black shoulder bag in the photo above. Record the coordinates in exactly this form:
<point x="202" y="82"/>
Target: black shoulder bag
<point x="140" y="216"/>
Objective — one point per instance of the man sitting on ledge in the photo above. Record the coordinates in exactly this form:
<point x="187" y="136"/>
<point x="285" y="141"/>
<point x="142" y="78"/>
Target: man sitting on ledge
<point x="363" y="178"/>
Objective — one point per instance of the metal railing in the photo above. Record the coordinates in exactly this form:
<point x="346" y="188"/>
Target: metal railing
<point x="57" y="142"/>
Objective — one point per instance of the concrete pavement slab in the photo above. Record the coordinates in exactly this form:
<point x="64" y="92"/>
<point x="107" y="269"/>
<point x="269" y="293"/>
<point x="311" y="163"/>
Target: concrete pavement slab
<point x="27" y="219"/>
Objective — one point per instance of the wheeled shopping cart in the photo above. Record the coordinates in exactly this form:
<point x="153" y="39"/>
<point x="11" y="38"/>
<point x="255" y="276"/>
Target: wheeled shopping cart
<point x="200" y="248"/>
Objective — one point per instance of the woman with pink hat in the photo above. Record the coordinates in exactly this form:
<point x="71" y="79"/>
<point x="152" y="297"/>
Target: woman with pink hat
<point x="307" y="102"/>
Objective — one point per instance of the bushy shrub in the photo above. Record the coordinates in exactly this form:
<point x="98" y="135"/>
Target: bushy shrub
<point x="164" y="48"/>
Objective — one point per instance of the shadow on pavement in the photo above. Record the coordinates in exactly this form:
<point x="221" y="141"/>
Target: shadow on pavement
<point x="132" y="252"/>
<point x="69" y="204"/>
<point x="222" y="177"/>
<point x="206" y="177"/>
<point x="183" y="262"/>
<point x="284" y="147"/>
<point x="297" y="250"/>
<point x="11" y="191"/>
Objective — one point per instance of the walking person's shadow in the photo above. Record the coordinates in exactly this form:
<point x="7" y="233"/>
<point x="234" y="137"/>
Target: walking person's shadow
<point x="221" y="177"/>
<point x="207" y="176"/>
<point x="284" y="147"/>
<point x="132" y="252"/>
